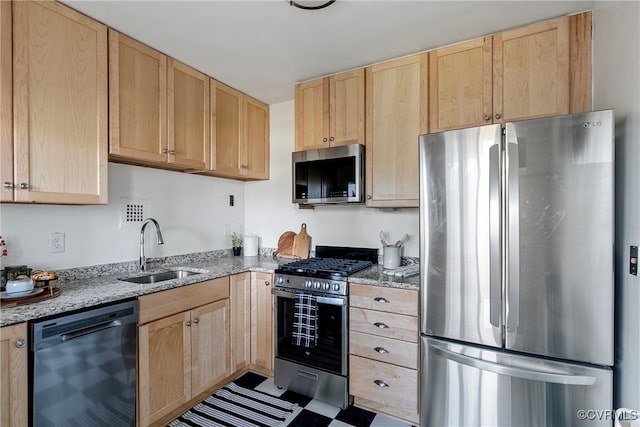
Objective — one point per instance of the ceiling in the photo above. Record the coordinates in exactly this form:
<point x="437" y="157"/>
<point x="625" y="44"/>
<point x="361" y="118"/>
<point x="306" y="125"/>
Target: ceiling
<point x="264" y="47"/>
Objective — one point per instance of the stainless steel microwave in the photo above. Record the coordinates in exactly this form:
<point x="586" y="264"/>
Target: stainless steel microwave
<point x="329" y="175"/>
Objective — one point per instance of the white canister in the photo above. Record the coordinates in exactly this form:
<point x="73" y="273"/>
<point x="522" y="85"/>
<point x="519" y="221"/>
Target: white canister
<point x="251" y="245"/>
<point x="391" y="257"/>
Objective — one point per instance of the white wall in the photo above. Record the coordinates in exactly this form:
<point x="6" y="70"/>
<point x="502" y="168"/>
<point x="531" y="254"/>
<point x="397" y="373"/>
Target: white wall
<point x="270" y="212"/>
<point x="616" y="80"/>
<point x="192" y="211"/>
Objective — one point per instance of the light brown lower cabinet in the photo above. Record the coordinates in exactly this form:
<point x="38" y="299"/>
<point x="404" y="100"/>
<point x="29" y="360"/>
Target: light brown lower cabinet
<point x="383" y="350"/>
<point x="262" y="348"/>
<point x="251" y="321"/>
<point x="240" y="298"/>
<point x="13" y="375"/>
<point x="183" y="347"/>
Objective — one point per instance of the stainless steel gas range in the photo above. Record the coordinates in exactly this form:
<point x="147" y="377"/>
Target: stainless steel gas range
<point x="312" y="341"/>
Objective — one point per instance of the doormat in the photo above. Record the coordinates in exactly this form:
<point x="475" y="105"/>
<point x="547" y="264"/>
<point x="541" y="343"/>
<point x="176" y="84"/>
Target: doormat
<point x="236" y="406"/>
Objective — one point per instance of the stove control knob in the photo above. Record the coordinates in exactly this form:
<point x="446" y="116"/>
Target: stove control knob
<point x="336" y="287"/>
<point x="326" y="286"/>
<point x="318" y="285"/>
<point x="280" y="280"/>
<point x="307" y="283"/>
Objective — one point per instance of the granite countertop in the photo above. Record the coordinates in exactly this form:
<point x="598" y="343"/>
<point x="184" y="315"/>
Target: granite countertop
<point x="375" y="275"/>
<point x="92" y="286"/>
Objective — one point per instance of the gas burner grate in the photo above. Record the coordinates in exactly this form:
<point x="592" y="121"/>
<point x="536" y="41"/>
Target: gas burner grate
<point x="313" y="266"/>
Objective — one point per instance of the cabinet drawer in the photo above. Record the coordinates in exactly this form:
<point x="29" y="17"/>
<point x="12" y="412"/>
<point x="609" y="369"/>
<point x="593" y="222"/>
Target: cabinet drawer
<point x="394" y="388"/>
<point x="393" y="300"/>
<point x="382" y="324"/>
<point x="165" y="303"/>
<point x="386" y="350"/>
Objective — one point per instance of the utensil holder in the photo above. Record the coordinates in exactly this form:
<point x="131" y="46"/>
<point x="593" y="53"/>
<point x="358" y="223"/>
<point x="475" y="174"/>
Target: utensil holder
<point x="391" y="257"/>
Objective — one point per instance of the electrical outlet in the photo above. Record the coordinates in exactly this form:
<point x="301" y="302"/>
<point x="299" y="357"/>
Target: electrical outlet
<point x="56" y="243"/>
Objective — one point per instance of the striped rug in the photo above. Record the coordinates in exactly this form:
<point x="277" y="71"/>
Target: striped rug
<point x="235" y="406"/>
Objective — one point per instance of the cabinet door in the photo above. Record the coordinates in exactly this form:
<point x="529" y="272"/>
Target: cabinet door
<point x="240" y="300"/>
<point x="6" y="104"/>
<point x="262" y="320"/>
<point x="188" y="116"/>
<point x="137" y="100"/>
<point x="531" y="71"/>
<point x="346" y="112"/>
<point x="209" y="345"/>
<point x="164" y="366"/>
<point x="256" y="139"/>
<point x="396" y="114"/>
<point x="13" y="375"/>
<point x="60" y="105"/>
<point x="226" y="129"/>
<point x="460" y="85"/>
<point x="312" y="114"/>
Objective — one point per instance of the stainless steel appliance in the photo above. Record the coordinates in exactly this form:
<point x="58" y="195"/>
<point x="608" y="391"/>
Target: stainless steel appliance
<point x="84" y="368"/>
<point x="517" y="273"/>
<point x="328" y="175"/>
<point x="319" y="370"/>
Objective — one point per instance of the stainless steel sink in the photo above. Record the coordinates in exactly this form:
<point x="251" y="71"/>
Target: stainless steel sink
<point x="160" y="276"/>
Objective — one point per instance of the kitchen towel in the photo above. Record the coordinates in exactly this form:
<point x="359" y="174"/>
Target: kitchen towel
<point x="305" y="320"/>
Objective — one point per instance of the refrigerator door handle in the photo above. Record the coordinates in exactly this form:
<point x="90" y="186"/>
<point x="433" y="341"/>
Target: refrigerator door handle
<point x="495" y="273"/>
<point x="513" y="371"/>
<point x="513" y="232"/>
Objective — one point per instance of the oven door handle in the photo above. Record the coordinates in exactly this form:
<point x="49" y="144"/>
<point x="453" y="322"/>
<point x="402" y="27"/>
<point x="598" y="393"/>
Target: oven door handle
<point x="339" y="301"/>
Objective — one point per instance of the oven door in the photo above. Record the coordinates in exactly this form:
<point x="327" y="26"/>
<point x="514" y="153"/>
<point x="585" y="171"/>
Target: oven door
<point x="330" y="353"/>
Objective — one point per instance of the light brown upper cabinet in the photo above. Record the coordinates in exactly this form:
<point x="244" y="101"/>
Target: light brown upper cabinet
<point x="188" y="116"/>
<point x="330" y="111"/>
<point x="460" y="85"/>
<point x="239" y="134"/>
<point x="6" y="103"/>
<point x="396" y="114"/>
<point x="256" y="140"/>
<point x="59" y="105"/>
<point x="539" y="70"/>
<point x="159" y="108"/>
<point x="137" y="101"/>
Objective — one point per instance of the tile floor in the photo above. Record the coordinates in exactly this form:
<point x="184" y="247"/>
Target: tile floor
<point x="314" y="413"/>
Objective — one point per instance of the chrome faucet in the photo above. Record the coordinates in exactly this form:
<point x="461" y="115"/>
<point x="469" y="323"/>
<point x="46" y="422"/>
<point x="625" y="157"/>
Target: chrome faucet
<point x="142" y="264"/>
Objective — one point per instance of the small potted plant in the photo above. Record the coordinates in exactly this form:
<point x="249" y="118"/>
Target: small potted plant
<point x="236" y="243"/>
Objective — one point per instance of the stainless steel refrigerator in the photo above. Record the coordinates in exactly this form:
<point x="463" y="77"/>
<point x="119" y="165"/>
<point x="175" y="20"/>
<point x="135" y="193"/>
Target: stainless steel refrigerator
<point x="516" y="256"/>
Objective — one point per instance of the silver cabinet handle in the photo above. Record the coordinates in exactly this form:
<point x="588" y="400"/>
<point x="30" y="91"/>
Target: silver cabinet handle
<point x="165" y="151"/>
<point x="381" y="350"/>
<point x="266" y="283"/>
<point x="172" y="152"/>
<point x="487" y="117"/>
<point x="331" y="139"/>
<point x="381" y="300"/>
<point x="188" y="323"/>
<point x="20" y="343"/>
<point x="24" y="186"/>
<point x="196" y="321"/>
<point x="498" y="116"/>
<point x="324" y="139"/>
<point x="7" y="184"/>
<point x="381" y="383"/>
<point x="369" y="196"/>
<point x="381" y="325"/>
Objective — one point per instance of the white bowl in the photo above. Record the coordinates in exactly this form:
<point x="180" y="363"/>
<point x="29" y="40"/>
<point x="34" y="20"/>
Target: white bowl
<point x="21" y="284"/>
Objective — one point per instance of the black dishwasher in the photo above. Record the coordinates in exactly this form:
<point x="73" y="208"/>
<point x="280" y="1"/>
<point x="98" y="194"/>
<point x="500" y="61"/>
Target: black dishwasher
<point x="84" y="368"/>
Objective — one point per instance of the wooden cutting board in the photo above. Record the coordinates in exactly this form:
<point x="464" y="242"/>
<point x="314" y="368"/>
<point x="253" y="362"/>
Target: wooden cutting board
<point x="285" y="244"/>
<point x="302" y="243"/>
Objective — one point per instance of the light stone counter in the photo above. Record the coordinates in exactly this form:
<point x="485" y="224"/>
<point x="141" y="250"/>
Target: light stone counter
<point x="375" y="276"/>
<point x="87" y="287"/>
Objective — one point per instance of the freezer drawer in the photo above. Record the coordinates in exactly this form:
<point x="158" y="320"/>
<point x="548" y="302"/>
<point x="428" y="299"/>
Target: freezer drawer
<point x="463" y="385"/>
